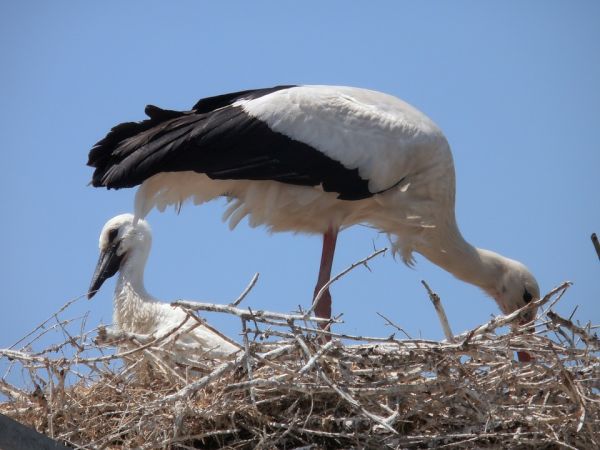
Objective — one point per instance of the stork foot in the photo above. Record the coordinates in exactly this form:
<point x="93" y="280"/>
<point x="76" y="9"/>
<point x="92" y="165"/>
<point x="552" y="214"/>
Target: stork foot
<point x="525" y="357"/>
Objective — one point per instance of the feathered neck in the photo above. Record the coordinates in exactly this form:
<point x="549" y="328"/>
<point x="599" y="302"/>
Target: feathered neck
<point x="130" y="292"/>
<point x="448" y="249"/>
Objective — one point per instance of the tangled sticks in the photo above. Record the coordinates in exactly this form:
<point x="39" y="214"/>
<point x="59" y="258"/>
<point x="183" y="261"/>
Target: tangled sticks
<point x="289" y="388"/>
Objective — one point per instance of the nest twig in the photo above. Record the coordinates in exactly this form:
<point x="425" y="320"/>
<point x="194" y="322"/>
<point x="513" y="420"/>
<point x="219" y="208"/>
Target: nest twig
<point x="288" y="388"/>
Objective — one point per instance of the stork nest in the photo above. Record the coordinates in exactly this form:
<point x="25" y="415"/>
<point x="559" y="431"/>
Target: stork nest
<point x="290" y="387"/>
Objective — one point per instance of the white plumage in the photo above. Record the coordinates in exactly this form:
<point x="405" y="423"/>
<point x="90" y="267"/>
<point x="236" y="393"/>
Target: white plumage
<point x="124" y="247"/>
<point x="312" y="159"/>
<point x="394" y="147"/>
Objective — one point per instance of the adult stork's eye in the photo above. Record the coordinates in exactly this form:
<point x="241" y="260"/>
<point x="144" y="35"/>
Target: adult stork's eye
<point x="527" y="297"/>
<point x="112" y="234"/>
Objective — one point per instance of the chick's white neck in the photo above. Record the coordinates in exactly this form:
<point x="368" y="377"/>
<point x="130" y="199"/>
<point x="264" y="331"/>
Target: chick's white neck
<point x="133" y="304"/>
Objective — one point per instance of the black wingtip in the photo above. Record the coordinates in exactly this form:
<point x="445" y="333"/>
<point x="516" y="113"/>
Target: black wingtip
<point x="111" y="150"/>
<point x="128" y="154"/>
<point x="160" y="115"/>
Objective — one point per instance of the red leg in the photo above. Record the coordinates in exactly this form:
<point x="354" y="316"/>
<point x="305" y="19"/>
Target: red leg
<point x="323" y="309"/>
<point x="525" y="357"/>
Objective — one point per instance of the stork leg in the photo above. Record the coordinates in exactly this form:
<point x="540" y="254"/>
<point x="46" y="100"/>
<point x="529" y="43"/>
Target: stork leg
<point x="524" y="356"/>
<point x="323" y="308"/>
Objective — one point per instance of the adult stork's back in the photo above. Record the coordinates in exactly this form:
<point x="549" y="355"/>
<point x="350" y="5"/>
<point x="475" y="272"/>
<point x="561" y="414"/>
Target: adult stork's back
<point x="311" y="159"/>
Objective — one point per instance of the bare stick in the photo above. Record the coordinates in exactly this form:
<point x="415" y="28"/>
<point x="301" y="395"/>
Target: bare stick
<point x="12" y="391"/>
<point x="246" y="291"/>
<point x="500" y="321"/>
<point x="165" y="444"/>
<point x="585" y="337"/>
<point x="22" y="356"/>
<point x="439" y="309"/>
<point x="137" y="349"/>
<point x="244" y="313"/>
<point x="596" y="244"/>
<point x="197" y="385"/>
<point x="248" y="361"/>
<point x="412" y="343"/>
<point x="209" y="327"/>
<point x="55" y="315"/>
<point x="315" y="358"/>
<point x="396" y="326"/>
<point x="362" y="262"/>
<point x="356" y="404"/>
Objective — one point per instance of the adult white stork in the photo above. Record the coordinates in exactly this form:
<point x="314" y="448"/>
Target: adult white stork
<point x="124" y="248"/>
<point x="310" y="159"/>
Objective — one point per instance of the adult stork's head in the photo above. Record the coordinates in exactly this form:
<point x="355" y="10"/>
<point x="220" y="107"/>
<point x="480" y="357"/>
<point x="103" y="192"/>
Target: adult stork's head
<point x="515" y="288"/>
<point x="121" y="243"/>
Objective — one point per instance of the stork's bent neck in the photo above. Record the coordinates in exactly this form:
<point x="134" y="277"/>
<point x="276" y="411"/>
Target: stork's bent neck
<point x="474" y="265"/>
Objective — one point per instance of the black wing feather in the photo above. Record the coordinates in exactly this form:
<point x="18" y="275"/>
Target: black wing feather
<point x="223" y="142"/>
<point x="209" y="104"/>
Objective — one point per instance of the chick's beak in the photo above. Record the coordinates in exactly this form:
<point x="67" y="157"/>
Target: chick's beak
<point x="108" y="264"/>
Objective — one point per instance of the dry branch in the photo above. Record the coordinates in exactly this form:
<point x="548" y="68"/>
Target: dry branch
<point x="439" y="309"/>
<point x="596" y="244"/>
<point x="253" y="281"/>
<point x="590" y="339"/>
<point x="362" y="262"/>
<point x="263" y="316"/>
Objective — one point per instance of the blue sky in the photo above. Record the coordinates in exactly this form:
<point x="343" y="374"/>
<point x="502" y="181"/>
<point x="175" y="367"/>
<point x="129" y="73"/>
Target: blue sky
<point x="514" y="85"/>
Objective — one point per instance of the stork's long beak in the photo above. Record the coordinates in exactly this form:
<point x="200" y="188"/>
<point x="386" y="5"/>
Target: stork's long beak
<point x="108" y="264"/>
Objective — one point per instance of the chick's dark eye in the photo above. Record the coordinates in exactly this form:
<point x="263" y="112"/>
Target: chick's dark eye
<point x="527" y="297"/>
<point x="112" y="234"/>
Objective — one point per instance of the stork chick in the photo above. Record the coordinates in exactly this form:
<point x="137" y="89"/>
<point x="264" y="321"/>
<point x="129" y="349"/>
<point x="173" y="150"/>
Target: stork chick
<point x="124" y="248"/>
